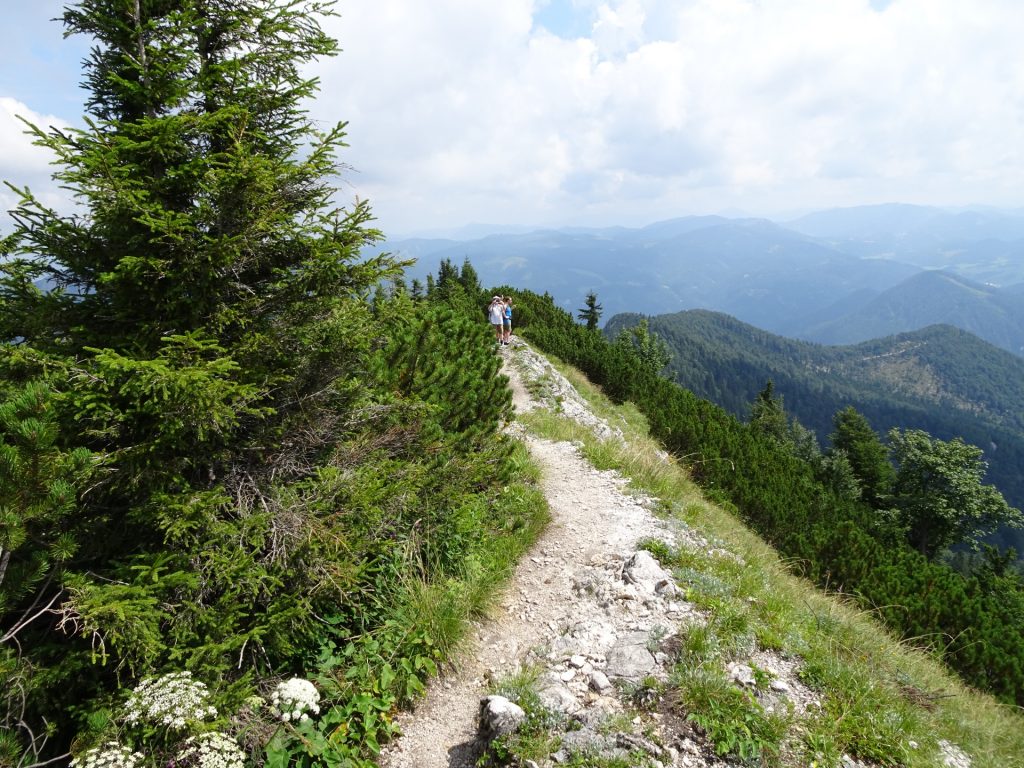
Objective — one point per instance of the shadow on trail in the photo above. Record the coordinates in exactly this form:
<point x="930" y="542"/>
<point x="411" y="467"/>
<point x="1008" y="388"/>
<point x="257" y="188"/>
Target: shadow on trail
<point x="466" y="754"/>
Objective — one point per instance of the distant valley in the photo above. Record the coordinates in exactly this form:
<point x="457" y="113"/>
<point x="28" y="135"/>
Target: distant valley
<point x="836" y="277"/>
<point x="941" y="379"/>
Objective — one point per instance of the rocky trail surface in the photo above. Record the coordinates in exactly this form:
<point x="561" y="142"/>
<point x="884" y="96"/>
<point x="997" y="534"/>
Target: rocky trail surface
<point x="595" y="615"/>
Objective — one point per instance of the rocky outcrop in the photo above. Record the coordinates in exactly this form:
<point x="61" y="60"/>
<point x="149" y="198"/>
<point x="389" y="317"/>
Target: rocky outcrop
<point x="617" y="649"/>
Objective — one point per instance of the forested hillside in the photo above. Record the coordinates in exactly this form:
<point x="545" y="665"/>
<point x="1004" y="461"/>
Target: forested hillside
<point x="932" y="297"/>
<point x="849" y="520"/>
<point x="942" y="380"/>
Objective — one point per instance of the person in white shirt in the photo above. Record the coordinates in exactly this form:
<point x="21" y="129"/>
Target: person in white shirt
<point x="496" y="315"/>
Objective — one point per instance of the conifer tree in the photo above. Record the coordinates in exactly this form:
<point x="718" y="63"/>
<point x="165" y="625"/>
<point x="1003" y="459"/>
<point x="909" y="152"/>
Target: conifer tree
<point x="768" y="416"/>
<point x="204" y="329"/>
<point x="442" y="354"/>
<point x="469" y="279"/>
<point x="591" y="313"/>
<point x="650" y="349"/>
<point x="209" y="241"/>
<point x="865" y="452"/>
<point x="37" y="496"/>
<point x="447" y="277"/>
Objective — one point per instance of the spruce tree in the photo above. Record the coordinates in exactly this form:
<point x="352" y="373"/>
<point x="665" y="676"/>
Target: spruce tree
<point x="204" y="329"/>
<point x="469" y="279"/>
<point x="209" y="253"/>
<point x="650" y="350"/>
<point x="867" y="455"/>
<point x="591" y="313"/>
<point x="447" y="277"/>
<point x="768" y="415"/>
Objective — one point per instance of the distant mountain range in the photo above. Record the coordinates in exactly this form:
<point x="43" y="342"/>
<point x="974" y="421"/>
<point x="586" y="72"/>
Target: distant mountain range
<point x="837" y="276"/>
<point x="941" y="379"/>
<point x="993" y="314"/>
<point x="984" y="245"/>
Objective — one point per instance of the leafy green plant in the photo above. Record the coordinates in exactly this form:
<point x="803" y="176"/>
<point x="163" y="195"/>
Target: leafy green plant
<point x="661" y="551"/>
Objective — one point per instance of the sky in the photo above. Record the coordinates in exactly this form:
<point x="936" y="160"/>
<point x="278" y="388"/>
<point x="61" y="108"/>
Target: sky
<point x="541" y="113"/>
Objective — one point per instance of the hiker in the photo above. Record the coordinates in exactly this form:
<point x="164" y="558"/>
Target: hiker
<point x="496" y="315"/>
<point x="507" y="319"/>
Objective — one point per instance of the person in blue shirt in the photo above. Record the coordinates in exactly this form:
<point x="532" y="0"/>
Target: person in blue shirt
<point x="507" y="320"/>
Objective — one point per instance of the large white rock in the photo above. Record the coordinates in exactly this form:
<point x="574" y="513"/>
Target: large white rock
<point x="645" y="572"/>
<point x="630" y="658"/>
<point x="555" y="695"/>
<point x="499" y="717"/>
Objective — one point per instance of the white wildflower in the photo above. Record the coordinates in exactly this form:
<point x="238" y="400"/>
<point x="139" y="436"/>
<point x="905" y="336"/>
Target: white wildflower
<point x="110" y="755"/>
<point x="212" y="750"/>
<point x="293" y="700"/>
<point x="170" y="700"/>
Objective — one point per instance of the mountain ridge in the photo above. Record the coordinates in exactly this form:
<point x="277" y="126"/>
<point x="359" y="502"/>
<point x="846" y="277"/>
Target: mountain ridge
<point x="818" y="278"/>
<point x="928" y="298"/>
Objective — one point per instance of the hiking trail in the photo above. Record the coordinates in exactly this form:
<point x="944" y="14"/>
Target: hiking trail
<point x="596" y="616"/>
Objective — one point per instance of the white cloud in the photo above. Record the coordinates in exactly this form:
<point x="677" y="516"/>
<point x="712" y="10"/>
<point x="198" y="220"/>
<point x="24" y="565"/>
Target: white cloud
<point x="23" y="164"/>
<point x="619" y="27"/>
<point x="18" y="153"/>
<point x="465" y="110"/>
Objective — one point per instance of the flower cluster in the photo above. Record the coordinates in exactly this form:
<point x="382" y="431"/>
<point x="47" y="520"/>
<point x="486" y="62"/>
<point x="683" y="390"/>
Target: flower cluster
<point x="212" y="750"/>
<point x="293" y="700"/>
<point x="170" y="700"/>
<point x="110" y="755"/>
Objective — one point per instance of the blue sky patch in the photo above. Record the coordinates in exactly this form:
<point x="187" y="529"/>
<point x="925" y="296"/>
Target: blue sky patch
<point x="561" y="18"/>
